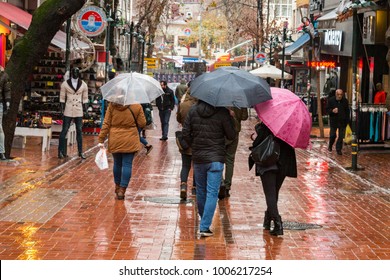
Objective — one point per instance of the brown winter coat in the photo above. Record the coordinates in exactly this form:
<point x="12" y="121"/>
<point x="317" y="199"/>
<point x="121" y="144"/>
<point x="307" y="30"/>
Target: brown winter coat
<point x="121" y="128"/>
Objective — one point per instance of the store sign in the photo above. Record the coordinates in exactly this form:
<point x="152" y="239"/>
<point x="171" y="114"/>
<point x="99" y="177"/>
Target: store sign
<point x="152" y="63"/>
<point x="330" y="64"/>
<point x="222" y="64"/>
<point x="91" y="20"/>
<point x="333" y="38"/>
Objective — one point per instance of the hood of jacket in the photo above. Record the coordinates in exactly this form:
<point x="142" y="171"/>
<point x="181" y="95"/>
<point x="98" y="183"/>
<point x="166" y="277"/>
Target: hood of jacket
<point x="205" y="110"/>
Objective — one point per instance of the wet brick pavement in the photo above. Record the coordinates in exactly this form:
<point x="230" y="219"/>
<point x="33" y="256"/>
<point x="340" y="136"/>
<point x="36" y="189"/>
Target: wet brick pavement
<point x="66" y="209"/>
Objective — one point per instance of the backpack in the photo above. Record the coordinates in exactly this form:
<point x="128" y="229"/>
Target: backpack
<point x="147" y="107"/>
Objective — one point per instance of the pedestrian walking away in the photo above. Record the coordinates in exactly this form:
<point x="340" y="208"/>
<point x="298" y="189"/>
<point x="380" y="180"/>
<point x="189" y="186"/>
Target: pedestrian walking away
<point x="5" y="101"/>
<point x="122" y="124"/>
<point x="74" y="104"/>
<point x="238" y="115"/>
<point x="186" y="155"/>
<point x="338" y="110"/>
<point x="205" y="129"/>
<point x="165" y="104"/>
<point x="147" y="109"/>
<point x="180" y="90"/>
<point x="272" y="177"/>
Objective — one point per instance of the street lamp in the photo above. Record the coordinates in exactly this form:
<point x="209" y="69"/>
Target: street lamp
<point x="273" y="43"/>
<point x="141" y="45"/>
<point x="109" y="20"/>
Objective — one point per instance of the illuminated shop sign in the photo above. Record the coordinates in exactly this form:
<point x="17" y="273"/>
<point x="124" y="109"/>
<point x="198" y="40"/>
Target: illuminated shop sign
<point x="333" y="38"/>
<point x="330" y="64"/>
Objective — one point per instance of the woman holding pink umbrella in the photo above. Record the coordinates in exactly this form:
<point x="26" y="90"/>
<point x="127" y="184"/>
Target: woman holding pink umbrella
<point x="286" y="117"/>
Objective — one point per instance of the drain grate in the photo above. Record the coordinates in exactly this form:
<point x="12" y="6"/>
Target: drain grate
<point x="168" y="200"/>
<point x="299" y="226"/>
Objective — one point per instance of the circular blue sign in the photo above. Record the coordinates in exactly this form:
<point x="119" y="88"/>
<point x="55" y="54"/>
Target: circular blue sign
<point x="92" y="20"/>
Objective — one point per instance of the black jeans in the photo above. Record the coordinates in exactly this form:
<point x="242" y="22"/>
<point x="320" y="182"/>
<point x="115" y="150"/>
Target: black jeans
<point x="79" y="130"/>
<point x="185" y="168"/>
<point x="340" y="136"/>
<point x="272" y="182"/>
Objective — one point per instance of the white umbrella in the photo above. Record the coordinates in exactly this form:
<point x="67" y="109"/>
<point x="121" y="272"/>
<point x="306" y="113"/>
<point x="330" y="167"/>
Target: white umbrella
<point x="270" y="71"/>
<point x="131" y="88"/>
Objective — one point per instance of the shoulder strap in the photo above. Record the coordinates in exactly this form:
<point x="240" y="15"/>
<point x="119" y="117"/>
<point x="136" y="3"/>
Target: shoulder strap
<point x="134" y="118"/>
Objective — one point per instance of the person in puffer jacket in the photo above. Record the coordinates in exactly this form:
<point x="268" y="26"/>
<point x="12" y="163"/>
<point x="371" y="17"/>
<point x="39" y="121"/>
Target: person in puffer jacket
<point x="205" y="130"/>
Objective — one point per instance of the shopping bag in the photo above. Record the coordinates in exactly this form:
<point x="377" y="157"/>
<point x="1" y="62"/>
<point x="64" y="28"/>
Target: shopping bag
<point x="348" y="135"/>
<point x="101" y="159"/>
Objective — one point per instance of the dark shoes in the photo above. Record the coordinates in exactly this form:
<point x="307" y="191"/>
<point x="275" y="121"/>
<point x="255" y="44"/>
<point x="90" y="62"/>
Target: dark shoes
<point x="183" y="190"/>
<point x="278" y="226"/>
<point x="267" y="221"/>
<point x="61" y="155"/>
<point x="339" y="153"/>
<point x="164" y="138"/>
<point x="148" y="148"/>
<point x="329" y="149"/>
<point x="82" y="156"/>
<point x="2" y="157"/>
<point x="121" y="193"/>
<point x="206" y="233"/>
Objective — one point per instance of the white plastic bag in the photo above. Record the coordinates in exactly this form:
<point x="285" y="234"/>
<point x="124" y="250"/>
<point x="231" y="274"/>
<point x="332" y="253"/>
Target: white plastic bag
<point x="101" y="159"/>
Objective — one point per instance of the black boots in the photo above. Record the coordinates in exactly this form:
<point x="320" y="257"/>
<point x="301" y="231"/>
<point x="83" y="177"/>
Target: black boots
<point x="267" y="221"/>
<point x="278" y="226"/>
<point x="2" y="156"/>
<point x="61" y="155"/>
<point x="183" y="190"/>
<point x="82" y="156"/>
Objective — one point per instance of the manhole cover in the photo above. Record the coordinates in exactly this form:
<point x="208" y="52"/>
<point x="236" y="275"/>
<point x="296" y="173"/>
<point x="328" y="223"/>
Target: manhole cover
<point x="299" y="226"/>
<point x="168" y="200"/>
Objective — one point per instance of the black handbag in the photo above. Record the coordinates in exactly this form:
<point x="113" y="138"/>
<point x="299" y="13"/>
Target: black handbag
<point x="181" y="143"/>
<point x="267" y="152"/>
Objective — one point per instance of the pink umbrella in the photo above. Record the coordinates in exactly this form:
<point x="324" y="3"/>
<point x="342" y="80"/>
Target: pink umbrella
<point x="287" y="117"/>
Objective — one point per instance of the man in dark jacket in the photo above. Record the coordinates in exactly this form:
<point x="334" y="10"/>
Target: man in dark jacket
<point x="338" y="110"/>
<point x="165" y="104"/>
<point x="205" y="129"/>
<point x="5" y="101"/>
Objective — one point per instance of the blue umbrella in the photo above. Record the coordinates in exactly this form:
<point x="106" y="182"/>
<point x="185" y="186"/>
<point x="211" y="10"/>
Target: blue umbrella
<point x="230" y="86"/>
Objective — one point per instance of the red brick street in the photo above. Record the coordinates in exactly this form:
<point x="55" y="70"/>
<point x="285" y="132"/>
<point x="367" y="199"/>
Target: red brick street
<point x="66" y="209"/>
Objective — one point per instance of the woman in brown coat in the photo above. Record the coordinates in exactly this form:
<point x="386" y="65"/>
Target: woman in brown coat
<point x="120" y="124"/>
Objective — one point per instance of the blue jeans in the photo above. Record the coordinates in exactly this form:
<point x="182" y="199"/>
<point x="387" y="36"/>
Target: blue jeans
<point x="123" y="166"/>
<point x="141" y="139"/>
<point x="79" y="133"/>
<point x="208" y="178"/>
<point x="164" y="118"/>
<point x="2" y="137"/>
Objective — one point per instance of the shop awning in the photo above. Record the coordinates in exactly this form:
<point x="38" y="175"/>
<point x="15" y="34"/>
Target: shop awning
<point x="23" y="19"/>
<point x="329" y="16"/>
<point x="297" y="45"/>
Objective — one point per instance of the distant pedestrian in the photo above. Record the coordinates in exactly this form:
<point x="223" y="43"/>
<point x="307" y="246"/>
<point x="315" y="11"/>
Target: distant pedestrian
<point x="380" y="95"/>
<point x="205" y="128"/>
<point x="147" y="109"/>
<point x="338" y="110"/>
<point x="186" y="155"/>
<point x="238" y="115"/>
<point x="165" y="104"/>
<point x="121" y="124"/>
<point x="181" y="90"/>
<point x="272" y="177"/>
